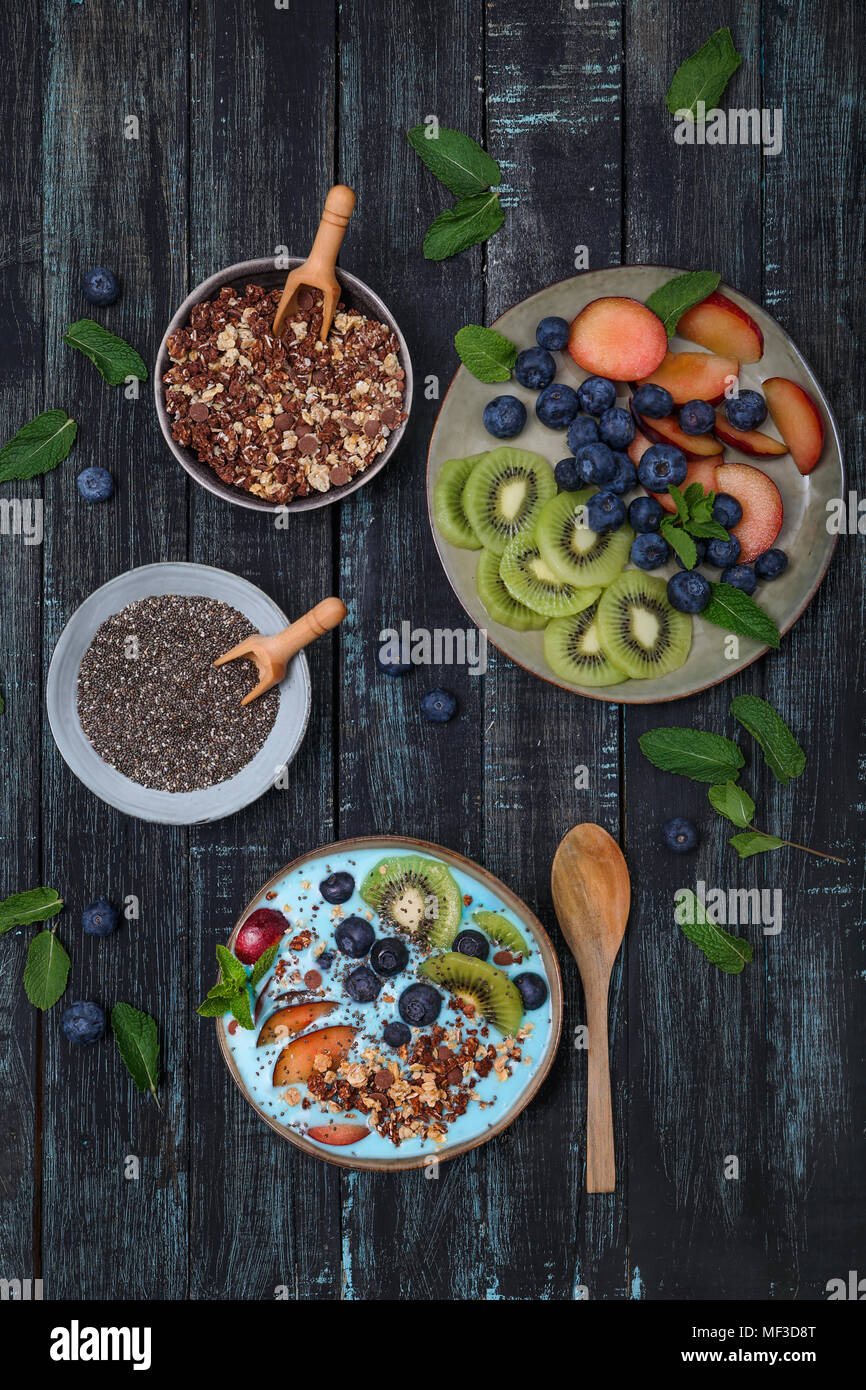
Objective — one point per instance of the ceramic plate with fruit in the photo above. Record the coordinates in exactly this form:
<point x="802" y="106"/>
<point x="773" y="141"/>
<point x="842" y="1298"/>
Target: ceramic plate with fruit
<point x="628" y="482"/>
<point x="384" y="1003"/>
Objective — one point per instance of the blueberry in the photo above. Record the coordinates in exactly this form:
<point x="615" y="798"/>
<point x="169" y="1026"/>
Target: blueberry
<point x="533" y="989"/>
<point x="689" y="592"/>
<point x="439" y="705"/>
<point x="504" y="417"/>
<point x="100" y="918"/>
<point x="605" y="512"/>
<point x="746" y="411"/>
<point x="325" y="960"/>
<point x="535" y="368"/>
<point x="648" y="551"/>
<point x="596" y="394"/>
<point x="568" y="474"/>
<point x="472" y="943"/>
<point x="653" y="401"/>
<point x="82" y="1022"/>
<point x="396" y="1034"/>
<point x="354" y="937"/>
<point x="697" y="417"/>
<point x="597" y="463"/>
<point x="582" y="430"/>
<point x="741" y="577"/>
<point x="362" y="985"/>
<point x="723" y="553"/>
<point x="552" y="333"/>
<point x="616" y="427"/>
<point x="419" y="1005"/>
<point x="389" y="956"/>
<point x="337" y="888"/>
<point x="625" y="478"/>
<point x="680" y="835"/>
<point x="727" y="510"/>
<point x="701" y="550"/>
<point x="391" y="668"/>
<point x="771" y="564"/>
<point x="557" y="406"/>
<point x="661" y="465"/>
<point x="645" y="514"/>
<point x="95" y="484"/>
<point x="100" y="286"/>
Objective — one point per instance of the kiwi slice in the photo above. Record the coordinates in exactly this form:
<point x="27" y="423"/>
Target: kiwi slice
<point x="528" y="579"/>
<point x="416" y="896"/>
<point x="573" y="650"/>
<point x="571" y="550"/>
<point x="500" y="930"/>
<point x="480" y="983"/>
<point x="500" y="604"/>
<point x="504" y="493"/>
<point x="639" y="630"/>
<point x="448" y="512"/>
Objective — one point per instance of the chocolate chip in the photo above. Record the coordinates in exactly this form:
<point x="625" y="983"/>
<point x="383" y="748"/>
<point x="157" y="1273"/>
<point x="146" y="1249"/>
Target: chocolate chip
<point x="454" y="1077"/>
<point x="305" y="299"/>
<point x="198" y="412"/>
<point x="383" y="1080"/>
<point x="389" y="417"/>
<point x="303" y="428"/>
<point x="312" y="979"/>
<point x="283" y="422"/>
<point x="444" y="1053"/>
<point x="371" y="427"/>
<point x="308" y="444"/>
<point x="287" y="402"/>
<point x="338" y="476"/>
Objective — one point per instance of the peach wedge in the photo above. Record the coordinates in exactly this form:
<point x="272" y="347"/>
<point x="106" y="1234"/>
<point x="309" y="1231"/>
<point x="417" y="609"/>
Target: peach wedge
<point x="618" y="338"/>
<point x="753" y="442"/>
<point x="338" y="1134"/>
<point x="296" y="1062"/>
<point x="797" y="419"/>
<point x="720" y="325"/>
<point x="761" y="502"/>
<point x="667" y="431"/>
<point x="294" y="1018"/>
<point x="695" y="376"/>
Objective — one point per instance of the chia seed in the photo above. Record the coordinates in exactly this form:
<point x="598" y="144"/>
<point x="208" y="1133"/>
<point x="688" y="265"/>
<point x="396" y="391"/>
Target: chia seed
<point x="155" y="707"/>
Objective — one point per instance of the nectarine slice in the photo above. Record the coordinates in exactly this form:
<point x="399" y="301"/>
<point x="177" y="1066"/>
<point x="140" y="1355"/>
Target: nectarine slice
<point x="701" y="471"/>
<point x="797" y="419"/>
<point x="294" y="1018"/>
<point x="618" y="338"/>
<point x="638" y="447"/>
<point x="296" y="1061"/>
<point x="667" y="431"/>
<point x="722" y="326"/>
<point x="338" y="1134"/>
<point x="761" y="502"/>
<point x="695" y="376"/>
<point x="754" y="442"/>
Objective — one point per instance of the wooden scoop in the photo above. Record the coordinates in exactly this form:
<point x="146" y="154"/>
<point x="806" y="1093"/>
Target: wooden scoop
<point x="273" y="654"/>
<point x="592" y="894"/>
<point x="317" y="272"/>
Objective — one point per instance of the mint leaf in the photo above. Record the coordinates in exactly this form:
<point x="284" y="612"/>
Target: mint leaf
<point x="756" y="842"/>
<point x="735" y="611"/>
<point x="485" y="353"/>
<point x="263" y="964"/>
<point x="670" y="301"/>
<point x="215" y="1005"/>
<point x="703" y="77"/>
<point x="468" y="222"/>
<point x="115" y="359"/>
<point x="38" y="446"/>
<point x="680" y="541"/>
<point x="231" y="967"/>
<point x="137" y="1039"/>
<point x="732" y="801"/>
<point x="679" y="502"/>
<point x="729" y="953"/>
<point x="46" y="971"/>
<point x="707" y="530"/>
<point x="457" y="160"/>
<point x="36" y="905"/>
<point x="694" y="495"/>
<point x="692" y="753"/>
<point x="779" y="746"/>
<point x="240" y="1008"/>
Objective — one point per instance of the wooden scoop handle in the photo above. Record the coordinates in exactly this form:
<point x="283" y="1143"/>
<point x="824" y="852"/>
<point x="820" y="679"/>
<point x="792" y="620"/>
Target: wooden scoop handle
<point x="339" y="206"/>
<point x="305" y="630"/>
<point x="600" y="1164"/>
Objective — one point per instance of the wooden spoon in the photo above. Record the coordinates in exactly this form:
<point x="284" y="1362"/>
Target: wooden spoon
<point x="592" y="894"/>
<point x="273" y="654"/>
<point x="317" y="272"/>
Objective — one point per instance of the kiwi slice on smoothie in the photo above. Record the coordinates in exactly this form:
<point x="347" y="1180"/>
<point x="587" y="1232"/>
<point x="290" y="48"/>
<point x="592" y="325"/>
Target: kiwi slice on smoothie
<point x="575" y="553"/>
<point x="639" y="630"/>
<point x="528" y="579"/>
<point x="417" y="896"/>
<point x="505" y="492"/>
<point x="573" y="650"/>
<point x="502" y="606"/>
<point x="448" y="513"/>
<point x="499" y="929"/>
<point x="479" y="983"/>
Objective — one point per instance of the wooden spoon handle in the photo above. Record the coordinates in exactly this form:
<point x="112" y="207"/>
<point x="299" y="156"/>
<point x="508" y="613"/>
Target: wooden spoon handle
<point x="339" y="206"/>
<point x="319" y="620"/>
<point x="600" y="1165"/>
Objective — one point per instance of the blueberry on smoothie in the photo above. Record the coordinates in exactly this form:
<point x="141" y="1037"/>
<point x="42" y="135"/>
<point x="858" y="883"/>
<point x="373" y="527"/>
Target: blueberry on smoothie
<point x="653" y="401"/>
<point x="337" y="887"/>
<point x="362" y="985"/>
<point x="504" y="417"/>
<point x="697" y="417"/>
<point x="746" y="411"/>
<point x="771" y="564"/>
<point x="95" y="484"/>
<point x="533" y="989"/>
<point x="557" y="406"/>
<point x="582" y="430"/>
<point x="396" y="1034"/>
<point x="354" y="937"/>
<point x="645" y="514"/>
<point x="661" y="465"/>
<point x="680" y="835"/>
<point x="689" y="592"/>
<point x="100" y="918"/>
<point x="616" y="427"/>
<point x="100" y="286"/>
<point x="389" y="956"/>
<point x="568" y="475"/>
<point x="596" y="395"/>
<point x="419" y="1005"/>
<point x="535" y="368"/>
<point x="472" y="943"/>
<point x="552" y="333"/>
<point x="325" y="960"/>
<point x="82" y="1022"/>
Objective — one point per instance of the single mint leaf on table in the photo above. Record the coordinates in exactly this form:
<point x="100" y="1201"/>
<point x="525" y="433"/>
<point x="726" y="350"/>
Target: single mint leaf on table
<point x="755" y="842"/>
<point x="485" y="353"/>
<point x="138" y="1041"/>
<point x="729" y="953"/>
<point x="671" y="300"/>
<point x="115" y="359"/>
<point x="692" y="753"/>
<point x="36" y="905"/>
<point x="457" y="160"/>
<point x="46" y="971"/>
<point x="231" y="967"/>
<point x="38" y="446"/>
<point x="732" y="801"/>
<point x="471" y="220"/>
<point x="680" y="541"/>
<point x="240" y="1009"/>
<point x="735" y="611"/>
<point x="704" y="76"/>
<point x="779" y="746"/>
<point x="263" y="964"/>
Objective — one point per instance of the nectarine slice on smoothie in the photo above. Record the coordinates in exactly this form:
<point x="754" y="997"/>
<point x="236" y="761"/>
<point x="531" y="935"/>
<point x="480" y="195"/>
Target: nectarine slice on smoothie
<point x="296" y="1062"/>
<point x="720" y="325"/>
<point x="294" y="1018"/>
<point x="618" y="338"/>
<point x="694" y="376"/>
<point x="754" y="442"/>
<point x="797" y="419"/>
<point x="338" y="1134"/>
<point x="761" y="502"/>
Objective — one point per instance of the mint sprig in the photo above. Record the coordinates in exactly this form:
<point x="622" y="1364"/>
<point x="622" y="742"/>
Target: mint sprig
<point x="470" y="221"/>
<point x="231" y="995"/>
<point x="470" y="173"/>
<point x="692" y="521"/>
<point x="485" y="353"/>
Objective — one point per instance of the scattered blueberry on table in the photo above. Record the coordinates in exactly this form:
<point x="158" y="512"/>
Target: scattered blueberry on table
<point x="95" y="484"/>
<point x="82" y="1022"/>
<point x="393" y="668"/>
<point x="100" y="286"/>
<point x="680" y="835"/>
<point x="439" y="705"/>
<point x="100" y="918"/>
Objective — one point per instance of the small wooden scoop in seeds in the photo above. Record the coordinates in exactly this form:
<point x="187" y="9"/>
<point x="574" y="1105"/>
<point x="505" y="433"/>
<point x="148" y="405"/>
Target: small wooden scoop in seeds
<point x="317" y="272"/>
<point x="273" y="654"/>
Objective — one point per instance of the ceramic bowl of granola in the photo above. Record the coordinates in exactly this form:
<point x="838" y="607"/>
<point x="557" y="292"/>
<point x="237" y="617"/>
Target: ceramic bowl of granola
<point x="267" y="424"/>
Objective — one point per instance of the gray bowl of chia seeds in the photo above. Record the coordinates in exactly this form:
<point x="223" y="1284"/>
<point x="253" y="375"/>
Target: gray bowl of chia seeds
<point x="220" y="798"/>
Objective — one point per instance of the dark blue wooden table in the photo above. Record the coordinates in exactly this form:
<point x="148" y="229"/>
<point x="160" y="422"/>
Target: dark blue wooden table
<point x="246" y="112"/>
